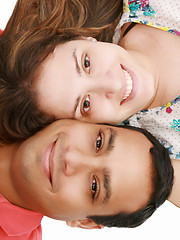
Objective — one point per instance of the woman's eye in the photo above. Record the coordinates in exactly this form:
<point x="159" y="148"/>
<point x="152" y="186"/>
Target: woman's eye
<point x="99" y="142"/>
<point x="94" y="187"/>
<point x="87" y="64"/>
<point x="86" y="104"/>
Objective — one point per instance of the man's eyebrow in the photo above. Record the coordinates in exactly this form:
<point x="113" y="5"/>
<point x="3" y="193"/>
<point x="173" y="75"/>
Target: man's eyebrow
<point x="106" y="185"/>
<point x="78" y="70"/>
<point x="112" y="138"/>
<point x="106" y="172"/>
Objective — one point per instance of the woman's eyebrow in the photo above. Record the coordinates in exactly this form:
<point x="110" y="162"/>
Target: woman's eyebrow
<point x="75" y="107"/>
<point x="78" y="70"/>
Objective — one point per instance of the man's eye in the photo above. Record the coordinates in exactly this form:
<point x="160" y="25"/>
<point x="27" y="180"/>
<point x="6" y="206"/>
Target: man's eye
<point x="94" y="187"/>
<point x="86" y="104"/>
<point x="99" y="142"/>
<point x="87" y="64"/>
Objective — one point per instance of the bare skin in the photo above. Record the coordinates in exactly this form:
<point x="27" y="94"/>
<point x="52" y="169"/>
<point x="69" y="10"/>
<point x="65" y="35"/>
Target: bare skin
<point x="156" y="47"/>
<point x="100" y="73"/>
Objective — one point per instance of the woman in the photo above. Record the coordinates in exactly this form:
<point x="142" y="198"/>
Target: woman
<point x="107" y="83"/>
<point x="51" y="15"/>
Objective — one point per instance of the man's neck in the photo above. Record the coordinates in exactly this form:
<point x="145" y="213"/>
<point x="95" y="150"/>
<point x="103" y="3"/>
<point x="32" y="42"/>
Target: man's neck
<point x="175" y="195"/>
<point x="6" y="184"/>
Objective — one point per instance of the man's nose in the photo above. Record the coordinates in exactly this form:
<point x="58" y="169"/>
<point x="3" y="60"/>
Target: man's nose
<point x="75" y="162"/>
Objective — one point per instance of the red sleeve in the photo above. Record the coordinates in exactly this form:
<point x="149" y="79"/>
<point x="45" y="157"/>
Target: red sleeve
<point x="1" y="31"/>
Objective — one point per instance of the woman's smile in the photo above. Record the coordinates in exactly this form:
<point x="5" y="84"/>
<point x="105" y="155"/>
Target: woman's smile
<point x="131" y="85"/>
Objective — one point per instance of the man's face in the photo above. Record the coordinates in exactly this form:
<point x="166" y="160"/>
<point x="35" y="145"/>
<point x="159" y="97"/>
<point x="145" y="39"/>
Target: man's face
<point x="72" y="170"/>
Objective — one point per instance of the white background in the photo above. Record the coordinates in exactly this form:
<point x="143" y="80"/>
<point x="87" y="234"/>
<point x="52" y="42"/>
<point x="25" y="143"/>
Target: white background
<point x="163" y="225"/>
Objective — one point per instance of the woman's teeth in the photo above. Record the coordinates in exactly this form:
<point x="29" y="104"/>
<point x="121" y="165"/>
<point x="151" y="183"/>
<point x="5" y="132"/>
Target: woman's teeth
<point x="129" y="85"/>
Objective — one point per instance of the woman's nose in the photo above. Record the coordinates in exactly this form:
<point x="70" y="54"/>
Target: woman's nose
<point x="109" y="84"/>
<point x="110" y="94"/>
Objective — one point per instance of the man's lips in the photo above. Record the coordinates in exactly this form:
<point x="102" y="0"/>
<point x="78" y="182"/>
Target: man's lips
<point x="48" y="160"/>
<point x="57" y="161"/>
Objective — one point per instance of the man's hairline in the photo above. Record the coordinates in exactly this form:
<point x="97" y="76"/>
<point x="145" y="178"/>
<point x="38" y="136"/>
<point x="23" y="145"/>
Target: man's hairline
<point x="153" y="175"/>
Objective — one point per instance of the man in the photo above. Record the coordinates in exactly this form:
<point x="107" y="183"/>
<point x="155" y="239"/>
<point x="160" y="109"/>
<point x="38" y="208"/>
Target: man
<point x="88" y="175"/>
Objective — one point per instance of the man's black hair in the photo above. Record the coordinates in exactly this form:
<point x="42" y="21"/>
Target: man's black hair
<point x="162" y="182"/>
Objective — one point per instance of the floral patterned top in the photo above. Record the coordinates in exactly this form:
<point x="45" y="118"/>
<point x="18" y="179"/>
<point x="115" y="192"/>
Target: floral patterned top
<point x="163" y="122"/>
<point x="162" y="14"/>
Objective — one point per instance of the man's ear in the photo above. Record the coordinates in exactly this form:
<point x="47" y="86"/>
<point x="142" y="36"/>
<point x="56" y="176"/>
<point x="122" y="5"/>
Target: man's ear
<point x="85" y="224"/>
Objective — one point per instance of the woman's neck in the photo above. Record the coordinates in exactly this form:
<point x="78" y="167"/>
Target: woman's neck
<point x="175" y="195"/>
<point x="159" y="52"/>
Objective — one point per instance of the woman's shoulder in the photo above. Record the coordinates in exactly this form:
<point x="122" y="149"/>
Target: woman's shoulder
<point x="162" y="14"/>
<point x="164" y="123"/>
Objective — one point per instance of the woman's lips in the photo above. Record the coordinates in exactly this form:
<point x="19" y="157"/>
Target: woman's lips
<point x="48" y="160"/>
<point x="130" y="87"/>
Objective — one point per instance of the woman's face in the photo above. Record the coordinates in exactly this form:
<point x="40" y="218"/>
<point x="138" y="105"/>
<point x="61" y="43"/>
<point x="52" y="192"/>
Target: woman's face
<point x="94" y="82"/>
<point x="72" y="170"/>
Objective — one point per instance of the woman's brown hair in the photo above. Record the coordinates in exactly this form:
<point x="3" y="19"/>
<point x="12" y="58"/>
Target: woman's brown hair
<point x="35" y="28"/>
<point x="97" y="18"/>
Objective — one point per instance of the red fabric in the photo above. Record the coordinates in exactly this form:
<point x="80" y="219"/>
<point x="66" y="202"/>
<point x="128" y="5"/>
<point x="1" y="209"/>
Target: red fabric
<point x="1" y="31"/>
<point x="17" y="223"/>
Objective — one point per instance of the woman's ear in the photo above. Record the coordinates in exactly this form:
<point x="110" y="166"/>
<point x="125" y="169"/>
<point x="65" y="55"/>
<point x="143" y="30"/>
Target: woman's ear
<point x="85" y="224"/>
<point x="88" y="38"/>
<point x="91" y="39"/>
